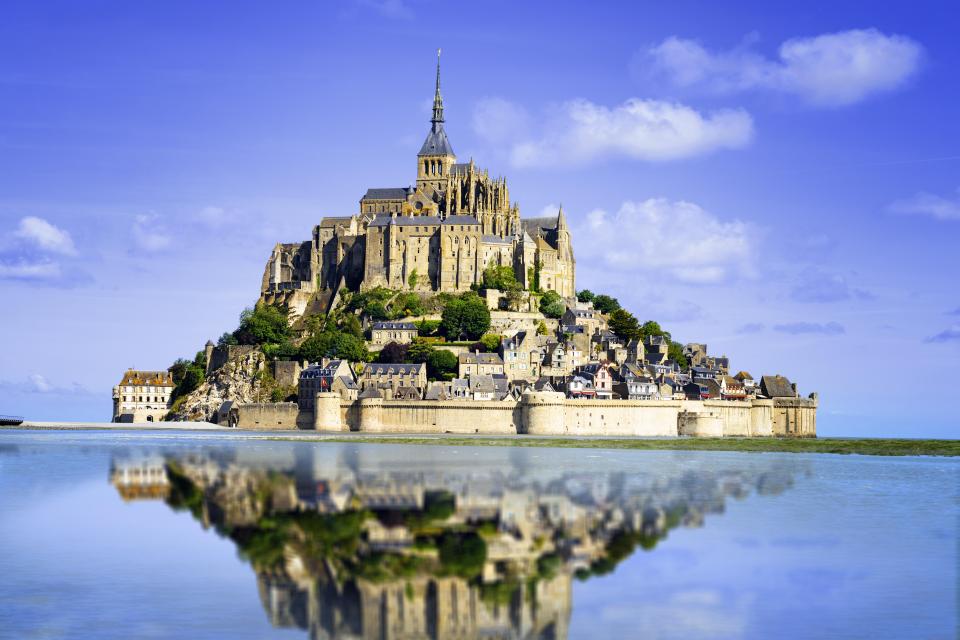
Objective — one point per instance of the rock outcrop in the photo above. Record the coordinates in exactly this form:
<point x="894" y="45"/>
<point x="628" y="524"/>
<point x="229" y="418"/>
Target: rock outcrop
<point x="236" y="380"/>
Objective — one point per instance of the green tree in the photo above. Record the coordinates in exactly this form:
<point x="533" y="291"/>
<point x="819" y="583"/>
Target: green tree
<point x="227" y="339"/>
<point x="419" y="350"/>
<point x="585" y="295"/>
<point x="491" y="341"/>
<point x="441" y="365"/>
<point x="624" y="324"/>
<point x="263" y="324"/>
<point x="334" y="344"/>
<point x="413" y="279"/>
<point x="675" y="353"/>
<point x="465" y="317"/>
<point x="552" y="305"/>
<point x="605" y="304"/>
<point x="651" y="328"/>
<point x="541" y="328"/>
<point x="502" y="278"/>
<point x="350" y="324"/>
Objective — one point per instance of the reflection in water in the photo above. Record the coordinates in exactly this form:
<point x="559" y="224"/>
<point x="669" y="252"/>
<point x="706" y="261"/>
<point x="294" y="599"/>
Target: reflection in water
<point x="351" y="545"/>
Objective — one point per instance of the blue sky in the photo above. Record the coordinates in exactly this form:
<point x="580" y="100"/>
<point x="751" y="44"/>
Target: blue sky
<point x="782" y="185"/>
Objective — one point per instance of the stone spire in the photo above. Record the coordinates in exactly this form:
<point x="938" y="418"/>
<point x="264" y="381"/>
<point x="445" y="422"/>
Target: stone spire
<point x="561" y="220"/>
<point x="437" y="98"/>
<point x="437" y="143"/>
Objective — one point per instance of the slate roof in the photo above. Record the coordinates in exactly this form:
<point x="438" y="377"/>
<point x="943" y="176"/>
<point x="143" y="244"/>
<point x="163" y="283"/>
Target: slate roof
<point x="482" y="384"/>
<point x="480" y="358"/>
<point x="147" y="378"/>
<point x="328" y="222"/>
<point x="539" y="224"/>
<point x="436" y="143"/>
<point x="386" y="193"/>
<point x="776" y="387"/>
<point x="491" y="239"/>
<point x="461" y="220"/>
<point x="374" y="368"/>
<point x="405" y="221"/>
<point x="407" y="326"/>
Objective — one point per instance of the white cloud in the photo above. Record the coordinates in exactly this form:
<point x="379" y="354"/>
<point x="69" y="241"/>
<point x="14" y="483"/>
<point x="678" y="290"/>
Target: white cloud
<point x="45" y="236"/>
<point x="579" y="131"/>
<point x="674" y="239"/>
<point x="928" y="204"/>
<point x="40" y="383"/>
<point x="149" y="233"/>
<point x="833" y="69"/>
<point x="213" y="216"/>
<point x="41" y="270"/>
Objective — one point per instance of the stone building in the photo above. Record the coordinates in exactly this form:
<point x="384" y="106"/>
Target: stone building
<point x="142" y="396"/>
<point x="476" y="363"/>
<point x="382" y="333"/>
<point x="388" y="379"/>
<point x="325" y="377"/>
<point x="438" y="234"/>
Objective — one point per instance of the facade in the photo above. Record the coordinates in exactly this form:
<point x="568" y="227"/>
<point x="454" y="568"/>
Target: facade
<point x="330" y="376"/>
<point x="438" y="234"/>
<point x="388" y="379"/>
<point x="478" y="364"/>
<point x="143" y="396"/>
<point x="382" y="333"/>
<point x="522" y="356"/>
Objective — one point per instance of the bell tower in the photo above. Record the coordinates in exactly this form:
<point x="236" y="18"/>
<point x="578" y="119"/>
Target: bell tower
<point x="436" y="155"/>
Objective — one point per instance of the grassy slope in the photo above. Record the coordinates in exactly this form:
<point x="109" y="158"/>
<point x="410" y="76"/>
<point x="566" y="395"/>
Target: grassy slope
<point x="873" y="446"/>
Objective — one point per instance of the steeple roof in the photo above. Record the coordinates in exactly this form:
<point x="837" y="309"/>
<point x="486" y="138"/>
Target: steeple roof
<point x="437" y="143"/>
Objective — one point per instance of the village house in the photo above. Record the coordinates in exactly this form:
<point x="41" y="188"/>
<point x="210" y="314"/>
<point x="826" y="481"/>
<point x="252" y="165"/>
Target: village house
<point x="731" y="388"/>
<point x="580" y="387"/>
<point x="600" y="377"/>
<point x="521" y="356"/>
<point x="777" y="387"/>
<point x="589" y="319"/>
<point x="387" y="379"/>
<point x="631" y="383"/>
<point x="327" y="376"/>
<point x="749" y="384"/>
<point x="382" y="333"/>
<point x="142" y="396"/>
<point x="477" y="363"/>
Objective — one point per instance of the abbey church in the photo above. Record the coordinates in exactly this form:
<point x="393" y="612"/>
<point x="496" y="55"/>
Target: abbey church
<point x="436" y="235"/>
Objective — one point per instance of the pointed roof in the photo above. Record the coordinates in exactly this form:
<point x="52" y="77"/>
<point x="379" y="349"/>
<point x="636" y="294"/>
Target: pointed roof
<point x="437" y="143"/>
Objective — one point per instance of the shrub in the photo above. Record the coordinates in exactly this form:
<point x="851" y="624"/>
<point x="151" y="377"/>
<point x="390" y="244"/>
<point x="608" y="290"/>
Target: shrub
<point x="263" y="324"/>
<point x="441" y="365"/>
<point x="465" y="317"/>
<point x="552" y="305"/>
<point x="462" y="554"/>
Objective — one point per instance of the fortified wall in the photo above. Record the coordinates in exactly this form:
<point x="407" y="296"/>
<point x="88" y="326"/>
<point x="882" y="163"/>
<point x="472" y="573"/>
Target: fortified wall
<point x="549" y="413"/>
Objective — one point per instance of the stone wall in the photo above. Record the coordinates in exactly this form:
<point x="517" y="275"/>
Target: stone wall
<point x="266" y="415"/>
<point x="225" y="353"/>
<point x="550" y="413"/>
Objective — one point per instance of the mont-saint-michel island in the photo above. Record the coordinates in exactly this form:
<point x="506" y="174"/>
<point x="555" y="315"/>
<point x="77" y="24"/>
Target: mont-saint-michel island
<point x="596" y="323"/>
<point x="438" y="307"/>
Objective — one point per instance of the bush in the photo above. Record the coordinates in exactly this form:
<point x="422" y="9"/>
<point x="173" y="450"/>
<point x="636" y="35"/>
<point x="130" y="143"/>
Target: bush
<point x="552" y="305"/>
<point x="263" y="324"/>
<point x="491" y="341"/>
<point x="393" y="353"/>
<point x="585" y="295"/>
<point x="466" y="316"/>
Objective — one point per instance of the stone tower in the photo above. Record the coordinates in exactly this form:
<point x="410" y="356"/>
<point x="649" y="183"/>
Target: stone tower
<point x="436" y="156"/>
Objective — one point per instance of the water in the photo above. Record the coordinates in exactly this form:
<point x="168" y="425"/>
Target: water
<point x="160" y="535"/>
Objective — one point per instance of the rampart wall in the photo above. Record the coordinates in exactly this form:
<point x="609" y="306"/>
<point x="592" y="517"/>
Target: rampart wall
<point x="547" y="413"/>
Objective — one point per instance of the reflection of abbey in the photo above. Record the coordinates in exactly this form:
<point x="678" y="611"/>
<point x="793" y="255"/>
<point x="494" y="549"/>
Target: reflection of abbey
<point x="361" y="543"/>
<point x="440" y="234"/>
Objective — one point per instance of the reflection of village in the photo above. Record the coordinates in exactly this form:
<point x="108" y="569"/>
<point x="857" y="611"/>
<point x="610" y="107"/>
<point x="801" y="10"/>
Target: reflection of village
<point x="349" y="547"/>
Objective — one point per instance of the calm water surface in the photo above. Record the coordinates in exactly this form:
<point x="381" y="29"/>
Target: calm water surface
<point x="159" y="535"/>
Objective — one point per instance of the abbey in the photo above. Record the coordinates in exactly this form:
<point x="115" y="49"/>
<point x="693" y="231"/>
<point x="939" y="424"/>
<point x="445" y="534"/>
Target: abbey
<point x="438" y="234"/>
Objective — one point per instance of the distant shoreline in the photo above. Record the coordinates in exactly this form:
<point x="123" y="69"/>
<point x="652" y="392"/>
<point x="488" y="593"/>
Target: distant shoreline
<point x="859" y="446"/>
